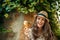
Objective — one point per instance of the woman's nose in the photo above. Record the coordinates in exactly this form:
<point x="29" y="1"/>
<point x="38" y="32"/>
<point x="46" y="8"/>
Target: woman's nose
<point x="40" y="21"/>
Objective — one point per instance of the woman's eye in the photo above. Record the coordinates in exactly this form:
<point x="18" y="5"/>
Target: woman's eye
<point x="38" y="18"/>
<point x="42" y="19"/>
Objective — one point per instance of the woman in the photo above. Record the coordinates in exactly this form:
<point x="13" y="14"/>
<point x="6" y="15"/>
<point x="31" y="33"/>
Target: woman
<point x="41" y="29"/>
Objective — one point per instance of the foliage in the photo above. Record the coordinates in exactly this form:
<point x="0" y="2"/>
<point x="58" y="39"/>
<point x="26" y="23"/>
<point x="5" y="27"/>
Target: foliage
<point x="25" y="6"/>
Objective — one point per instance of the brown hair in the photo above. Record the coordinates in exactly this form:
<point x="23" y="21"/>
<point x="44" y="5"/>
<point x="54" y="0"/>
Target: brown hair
<point x="47" y="32"/>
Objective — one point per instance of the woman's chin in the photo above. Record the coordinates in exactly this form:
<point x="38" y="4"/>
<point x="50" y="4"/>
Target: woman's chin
<point x="39" y="26"/>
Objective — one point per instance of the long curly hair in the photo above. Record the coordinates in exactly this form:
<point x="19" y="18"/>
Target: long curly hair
<point x="47" y="32"/>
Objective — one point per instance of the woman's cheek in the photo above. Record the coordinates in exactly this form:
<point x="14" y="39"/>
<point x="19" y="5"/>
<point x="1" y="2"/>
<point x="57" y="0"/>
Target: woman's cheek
<point x="41" y="25"/>
<point x="38" y="25"/>
<point x="43" y="22"/>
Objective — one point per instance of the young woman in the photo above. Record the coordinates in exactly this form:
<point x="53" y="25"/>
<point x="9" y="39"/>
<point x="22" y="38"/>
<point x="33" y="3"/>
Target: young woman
<point x="40" y="30"/>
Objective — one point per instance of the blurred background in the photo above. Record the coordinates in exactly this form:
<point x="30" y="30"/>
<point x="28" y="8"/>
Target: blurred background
<point x="13" y="13"/>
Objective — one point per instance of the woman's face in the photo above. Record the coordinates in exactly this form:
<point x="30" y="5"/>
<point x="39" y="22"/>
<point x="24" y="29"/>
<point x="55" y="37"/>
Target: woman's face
<point x="40" y="21"/>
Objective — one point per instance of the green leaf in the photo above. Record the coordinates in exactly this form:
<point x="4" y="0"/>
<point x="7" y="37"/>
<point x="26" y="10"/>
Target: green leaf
<point x="33" y="3"/>
<point x="24" y="1"/>
<point x="8" y="9"/>
<point x="0" y="8"/>
<point x="6" y="0"/>
<point x="31" y="9"/>
<point x="4" y="4"/>
<point x="59" y="14"/>
<point x="6" y="15"/>
<point x="41" y="1"/>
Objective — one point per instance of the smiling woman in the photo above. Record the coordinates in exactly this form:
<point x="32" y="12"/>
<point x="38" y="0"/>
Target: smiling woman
<point x="41" y="27"/>
<point x="40" y="30"/>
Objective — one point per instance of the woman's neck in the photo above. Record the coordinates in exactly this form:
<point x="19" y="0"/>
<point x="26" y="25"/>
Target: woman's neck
<point x="40" y="30"/>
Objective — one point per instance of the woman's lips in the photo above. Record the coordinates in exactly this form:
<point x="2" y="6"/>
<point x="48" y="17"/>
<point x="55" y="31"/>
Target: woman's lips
<point x="40" y="23"/>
